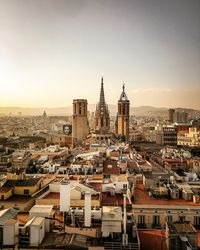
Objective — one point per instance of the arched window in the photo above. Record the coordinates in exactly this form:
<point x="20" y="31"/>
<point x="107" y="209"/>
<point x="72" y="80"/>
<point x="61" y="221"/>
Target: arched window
<point x="124" y="110"/>
<point x="101" y="122"/>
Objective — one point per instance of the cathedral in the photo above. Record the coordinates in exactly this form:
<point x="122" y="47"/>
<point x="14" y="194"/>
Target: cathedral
<point x="102" y="117"/>
<point x="102" y="132"/>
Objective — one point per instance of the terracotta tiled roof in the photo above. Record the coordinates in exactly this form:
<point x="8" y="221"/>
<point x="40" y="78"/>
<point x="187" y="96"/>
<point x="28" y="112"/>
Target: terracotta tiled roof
<point x="113" y="200"/>
<point x="4" y="190"/>
<point x="152" y="239"/>
<point x="110" y="167"/>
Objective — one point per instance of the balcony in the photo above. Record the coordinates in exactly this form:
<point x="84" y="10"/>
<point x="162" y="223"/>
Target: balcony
<point x="141" y="225"/>
<point x="156" y="226"/>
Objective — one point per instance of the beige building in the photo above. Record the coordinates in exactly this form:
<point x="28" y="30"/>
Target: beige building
<point x="26" y="187"/>
<point x="151" y="212"/>
<point x="122" y="128"/>
<point x="80" y="126"/>
<point x="135" y="134"/>
<point x="191" y="138"/>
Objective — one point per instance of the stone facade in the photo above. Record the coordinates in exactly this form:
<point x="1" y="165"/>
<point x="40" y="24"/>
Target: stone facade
<point x="80" y="127"/>
<point x="122" y="128"/>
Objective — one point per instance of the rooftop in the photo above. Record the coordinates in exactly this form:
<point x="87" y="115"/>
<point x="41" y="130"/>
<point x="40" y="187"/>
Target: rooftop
<point x="142" y="197"/>
<point x="52" y="198"/>
<point x="152" y="239"/>
<point x="112" y="213"/>
<point x="120" y="178"/>
<point x="7" y="214"/>
<point x="113" y="200"/>
<point x="26" y="182"/>
<point x="41" y="208"/>
<point x="4" y="190"/>
<point x="110" y="167"/>
<point x="181" y="228"/>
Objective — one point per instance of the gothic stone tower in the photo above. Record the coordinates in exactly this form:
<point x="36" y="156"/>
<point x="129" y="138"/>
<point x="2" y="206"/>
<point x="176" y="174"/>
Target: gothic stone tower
<point x="123" y="116"/>
<point x="80" y="128"/>
<point x="102" y="119"/>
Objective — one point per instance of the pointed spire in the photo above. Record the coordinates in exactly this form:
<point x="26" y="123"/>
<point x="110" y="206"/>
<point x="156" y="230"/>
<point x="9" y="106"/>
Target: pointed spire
<point x="123" y="87"/>
<point x="102" y="97"/>
<point x="44" y="114"/>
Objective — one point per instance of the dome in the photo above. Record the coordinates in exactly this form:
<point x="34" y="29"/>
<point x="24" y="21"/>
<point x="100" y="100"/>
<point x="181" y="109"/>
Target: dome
<point x="123" y="96"/>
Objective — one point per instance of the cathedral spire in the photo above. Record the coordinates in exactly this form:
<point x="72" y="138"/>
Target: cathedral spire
<point x="102" y="97"/>
<point x="102" y="119"/>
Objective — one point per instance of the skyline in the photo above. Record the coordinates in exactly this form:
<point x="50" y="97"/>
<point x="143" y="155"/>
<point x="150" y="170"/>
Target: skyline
<point x="52" y="52"/>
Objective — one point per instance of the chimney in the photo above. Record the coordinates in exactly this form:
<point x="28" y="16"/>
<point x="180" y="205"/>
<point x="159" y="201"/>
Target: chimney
<point x="125" y="235"/>
<point x="64" y="196"/>
<point x="87" y="211"/>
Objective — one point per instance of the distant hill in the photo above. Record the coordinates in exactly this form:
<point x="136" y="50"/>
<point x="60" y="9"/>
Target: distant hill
<point x="148" y="111"/>
<point x="138" y="111"/>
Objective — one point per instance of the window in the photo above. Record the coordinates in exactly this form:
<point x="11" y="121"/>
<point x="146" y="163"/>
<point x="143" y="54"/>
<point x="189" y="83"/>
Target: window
<point x="182" y="219"/>
<point x="101" y="122"/>
<point x="26" y="191"/>
<point x="120" y="109"/>
<point x="156" y="220"/>
<point x="197" y="220"/>
<point x="141" y="219"/>
<point x="124" y="186"/>
<point x="169" y="218"/>
<point x="124" y="112"/>
<point x="79" y="109"/>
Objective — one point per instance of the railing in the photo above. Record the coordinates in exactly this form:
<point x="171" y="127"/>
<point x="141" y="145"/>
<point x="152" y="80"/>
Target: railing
<point x="156" y="226"/>
<point x="141" y="225"/>
<point x="119" y="246"/>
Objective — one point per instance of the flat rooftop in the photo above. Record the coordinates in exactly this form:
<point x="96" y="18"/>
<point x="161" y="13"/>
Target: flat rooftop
<point x="23" y="217"/>
<point x="41" y="209"/>
<point x="96" y="186"/>
<point x="53" y="198"/>
<point x="113" y="200"/>
<point x="142" y="197"/>
<point x="17" y="199"/>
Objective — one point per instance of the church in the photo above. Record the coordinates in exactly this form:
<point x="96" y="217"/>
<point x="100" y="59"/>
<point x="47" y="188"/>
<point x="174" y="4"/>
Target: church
<point x="102" y="118"/>
<point x="101" y="127"/>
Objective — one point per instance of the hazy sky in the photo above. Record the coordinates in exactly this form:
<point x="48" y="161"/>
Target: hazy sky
<point x="53" y="51"/>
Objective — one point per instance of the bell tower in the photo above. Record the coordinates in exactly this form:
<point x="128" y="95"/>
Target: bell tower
<point x="122" y="124"/>
<point x="80" y="127"/>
